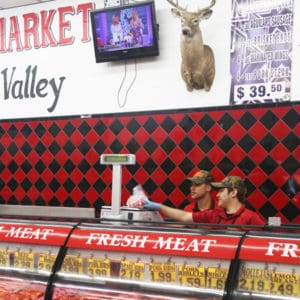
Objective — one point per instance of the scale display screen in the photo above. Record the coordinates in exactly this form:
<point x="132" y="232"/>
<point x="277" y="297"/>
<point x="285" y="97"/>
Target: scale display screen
<point x="117" y="159"/>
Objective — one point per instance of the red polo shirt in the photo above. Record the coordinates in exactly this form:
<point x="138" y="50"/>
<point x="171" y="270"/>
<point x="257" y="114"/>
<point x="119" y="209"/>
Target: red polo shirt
<point x="193" y="207"/>
<point x="243" y="216"/>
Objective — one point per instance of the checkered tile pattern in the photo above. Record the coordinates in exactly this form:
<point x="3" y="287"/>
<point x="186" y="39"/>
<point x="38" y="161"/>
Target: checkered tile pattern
<point x="55" y="162"/>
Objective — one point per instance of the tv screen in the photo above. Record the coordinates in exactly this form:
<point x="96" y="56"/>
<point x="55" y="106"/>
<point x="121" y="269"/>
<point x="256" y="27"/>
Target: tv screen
<point x="123" y="32"/>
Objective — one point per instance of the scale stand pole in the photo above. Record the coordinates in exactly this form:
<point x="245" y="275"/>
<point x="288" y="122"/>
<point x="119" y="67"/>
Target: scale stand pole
<point x="117" y="161"/>
<point x="116" y="190"/>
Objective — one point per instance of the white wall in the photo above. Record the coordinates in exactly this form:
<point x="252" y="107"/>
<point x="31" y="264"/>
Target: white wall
<point x="92" y="88"/>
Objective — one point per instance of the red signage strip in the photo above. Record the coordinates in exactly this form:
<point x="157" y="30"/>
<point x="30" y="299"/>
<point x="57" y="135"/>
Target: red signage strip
<point x="34" y="234"/>
<point x="223" y="247"/>
<point x="271" y="250"/>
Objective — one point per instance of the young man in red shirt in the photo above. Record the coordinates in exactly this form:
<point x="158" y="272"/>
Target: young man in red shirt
<point x="201" y="190"/>
<point x="231" y="198"/>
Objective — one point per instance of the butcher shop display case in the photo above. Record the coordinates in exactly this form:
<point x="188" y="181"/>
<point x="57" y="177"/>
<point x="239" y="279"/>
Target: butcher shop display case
<point x="28" y="251"/>
<point x="59" y="260"/>
<point x="110" y="262"/>
<point x="269" y="267"/>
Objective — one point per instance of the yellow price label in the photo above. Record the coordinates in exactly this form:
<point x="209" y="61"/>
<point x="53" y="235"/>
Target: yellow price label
<point x="132" y="270"/>
<point x="72" y="264"/>
<point x="4" y="258"/>
<point x="267" y="282"/>
<point x="24" y="260"/>
<point x="216" y="278"/>
<point x="99" y="267"/>
<point x="191" y="276"/>
<point x="254" y="280"/>
<point x="285" y="284"/>
<point x="162" y="272"/>
<point x="46" y="261"/>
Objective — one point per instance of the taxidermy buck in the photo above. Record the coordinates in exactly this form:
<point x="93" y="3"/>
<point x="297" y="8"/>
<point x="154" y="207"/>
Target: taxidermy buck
<point x="198" y="63"/>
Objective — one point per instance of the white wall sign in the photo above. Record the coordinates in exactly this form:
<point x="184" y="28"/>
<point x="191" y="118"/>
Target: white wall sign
<point x="48" y="65"/>
<point x="261" y="49"/>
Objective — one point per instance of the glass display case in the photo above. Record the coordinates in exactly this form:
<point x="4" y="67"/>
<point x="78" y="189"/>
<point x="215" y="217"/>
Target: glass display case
<point x="88" y="261"/>
<point x="113" y="263"/>
<point x="28" y="252"/>
<point x="269" y="267"/>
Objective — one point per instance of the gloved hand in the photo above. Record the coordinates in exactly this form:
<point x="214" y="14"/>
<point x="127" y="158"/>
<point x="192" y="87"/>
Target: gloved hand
<point x="151" y="205"/>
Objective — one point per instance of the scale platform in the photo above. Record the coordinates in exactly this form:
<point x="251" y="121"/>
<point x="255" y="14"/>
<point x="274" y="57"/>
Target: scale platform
<point x="130" y="215"/>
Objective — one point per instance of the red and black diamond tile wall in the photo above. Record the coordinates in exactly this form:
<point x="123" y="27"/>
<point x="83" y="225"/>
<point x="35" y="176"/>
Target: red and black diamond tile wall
<point x="55" y="162"/>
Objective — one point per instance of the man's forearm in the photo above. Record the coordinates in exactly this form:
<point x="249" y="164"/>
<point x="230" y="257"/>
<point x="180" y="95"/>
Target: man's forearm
<point x="176" y="214"/>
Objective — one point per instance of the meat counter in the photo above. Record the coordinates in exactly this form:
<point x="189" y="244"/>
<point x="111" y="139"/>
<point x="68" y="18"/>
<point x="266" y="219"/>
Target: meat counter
<point x="146" y="263"/>
<point x="268" y="267"/>
<point x="28" y="253"/>
<point x="89" y="261"/>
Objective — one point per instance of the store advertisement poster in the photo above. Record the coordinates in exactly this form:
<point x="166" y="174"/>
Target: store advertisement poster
<point x="261" y="51"/>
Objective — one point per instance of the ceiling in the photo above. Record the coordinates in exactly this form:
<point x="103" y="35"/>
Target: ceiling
<point x="4" y="4"/>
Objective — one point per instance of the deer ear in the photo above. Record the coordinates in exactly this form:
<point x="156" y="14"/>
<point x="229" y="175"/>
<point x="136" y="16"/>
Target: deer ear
<point x="206" y="14"/>
<point x="176" y="13"/>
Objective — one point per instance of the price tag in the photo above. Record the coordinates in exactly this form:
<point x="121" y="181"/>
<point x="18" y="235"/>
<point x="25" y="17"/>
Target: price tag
<point x="132" y="270"/>
<point x="285" y="284"/>
<point x="216" y="278"/>
<point x="162" y="272"/>
<point x="259" y="92"/>
<point x="99" y="267"/>
<point x="4" y="258"/>
<point x="24" y="260"/>
<point x="255" y="280"/>
<point x="72" y="264"/>
<point x="46" y="261"/>
<point x="192" y="276"/>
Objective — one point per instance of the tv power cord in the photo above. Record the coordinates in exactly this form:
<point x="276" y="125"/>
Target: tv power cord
<point x="123" y="102"/>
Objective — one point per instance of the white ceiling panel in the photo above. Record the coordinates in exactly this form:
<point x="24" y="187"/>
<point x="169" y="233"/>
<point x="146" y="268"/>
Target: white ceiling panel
<point x="4" y="4"/>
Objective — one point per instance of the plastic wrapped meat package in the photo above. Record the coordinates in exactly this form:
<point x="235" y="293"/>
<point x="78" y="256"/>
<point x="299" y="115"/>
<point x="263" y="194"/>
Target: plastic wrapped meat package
<point x="138" y="198"/>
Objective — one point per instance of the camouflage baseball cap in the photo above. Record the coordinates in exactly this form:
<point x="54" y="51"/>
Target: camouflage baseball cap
<point x="201" y="176"/>
<point x="233" y="182"/>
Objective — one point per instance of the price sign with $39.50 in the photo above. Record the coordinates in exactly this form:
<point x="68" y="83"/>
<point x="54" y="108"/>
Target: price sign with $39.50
<point x="260" y="92"/>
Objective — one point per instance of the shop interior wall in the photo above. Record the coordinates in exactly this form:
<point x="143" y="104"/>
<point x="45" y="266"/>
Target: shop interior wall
<point x="55" y="161"/>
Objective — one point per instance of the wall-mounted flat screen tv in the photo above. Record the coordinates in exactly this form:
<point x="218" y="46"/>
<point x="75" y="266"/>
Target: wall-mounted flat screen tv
<point x="123" y="32"/>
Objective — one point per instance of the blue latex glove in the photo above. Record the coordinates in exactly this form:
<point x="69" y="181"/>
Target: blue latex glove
<point x="151" y="205"/>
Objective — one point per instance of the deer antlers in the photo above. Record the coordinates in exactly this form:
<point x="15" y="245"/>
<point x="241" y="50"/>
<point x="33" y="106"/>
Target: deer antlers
<point x="177" y="6"/>
<point x="213" y="2"/>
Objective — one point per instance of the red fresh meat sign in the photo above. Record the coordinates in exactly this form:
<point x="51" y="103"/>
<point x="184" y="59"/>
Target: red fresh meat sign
<point x="156" y="243"/>
<point x="273" y="250"/>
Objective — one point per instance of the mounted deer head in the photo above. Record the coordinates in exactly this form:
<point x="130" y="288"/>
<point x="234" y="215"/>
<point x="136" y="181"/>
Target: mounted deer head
<point x="198" y="63"/>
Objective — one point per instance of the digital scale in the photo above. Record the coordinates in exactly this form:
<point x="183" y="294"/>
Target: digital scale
<point x="115" y="211"/>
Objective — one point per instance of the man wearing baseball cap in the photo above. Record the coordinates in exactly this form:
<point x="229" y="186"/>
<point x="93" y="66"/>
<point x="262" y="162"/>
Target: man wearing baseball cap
<point x="201" y="190"/>
<point x="231" y="197"/>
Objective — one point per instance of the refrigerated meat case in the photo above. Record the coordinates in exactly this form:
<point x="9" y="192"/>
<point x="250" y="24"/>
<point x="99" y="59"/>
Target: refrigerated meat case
<point x="88" y="261"/>
<point x="145" y="263"/>
<point x="28" y="253"/>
